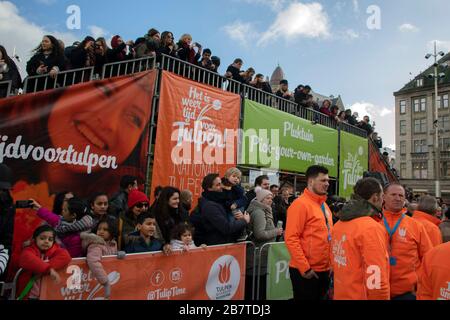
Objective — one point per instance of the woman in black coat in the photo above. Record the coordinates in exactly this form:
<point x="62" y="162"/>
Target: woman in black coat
<point x="48" y="58"/>
<point x="8" y="72"/>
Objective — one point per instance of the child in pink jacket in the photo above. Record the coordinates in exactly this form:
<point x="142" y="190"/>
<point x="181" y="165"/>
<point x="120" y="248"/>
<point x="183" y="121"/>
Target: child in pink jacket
<point x="100" y="243"/>
<point x="74" y="220"/>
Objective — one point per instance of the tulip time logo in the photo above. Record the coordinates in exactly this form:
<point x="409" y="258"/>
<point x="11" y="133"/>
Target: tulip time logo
<point x="224" y="278"/>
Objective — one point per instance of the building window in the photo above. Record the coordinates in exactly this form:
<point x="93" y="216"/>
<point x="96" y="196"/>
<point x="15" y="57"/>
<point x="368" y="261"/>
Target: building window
<point x="444" y="144"/>
<point x="419" y="82"/>
<point x="402" y="147"/>
<point x="445" y="169"/>
<point x="420" y="170"/>
<point x="444" y="122"/>
<point x="402" y="126"/>
<point x="443" y="101"/>
<point x="420" y="146"/>
<point x="420" y="104"/>
<point x="420" y="126"/>
<point x="402" y="170"/>
<point x="402" y="106"/>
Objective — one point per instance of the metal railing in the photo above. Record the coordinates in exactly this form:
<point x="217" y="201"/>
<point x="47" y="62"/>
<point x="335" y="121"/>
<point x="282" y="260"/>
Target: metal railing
<point x="353" y="130"/>
<point x="63" y="79"/>
<point x="5" y="88"/>
<point x="199" y="74"/>
<point x="128" y="67"/>
<point x="269" y="99"/>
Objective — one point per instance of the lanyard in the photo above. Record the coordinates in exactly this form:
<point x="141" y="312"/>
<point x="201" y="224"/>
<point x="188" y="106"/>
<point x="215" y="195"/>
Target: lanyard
<point x="326" y="221"/>
<point x="392" y="232"/>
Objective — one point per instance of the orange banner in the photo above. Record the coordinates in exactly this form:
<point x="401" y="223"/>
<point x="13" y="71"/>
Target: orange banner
<point x="81" y="139"/>
<point x="216" y="273"/>
<point x="196" y="133"/>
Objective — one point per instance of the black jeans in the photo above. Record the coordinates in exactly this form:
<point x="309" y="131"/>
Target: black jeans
<point x="309" y="289"/>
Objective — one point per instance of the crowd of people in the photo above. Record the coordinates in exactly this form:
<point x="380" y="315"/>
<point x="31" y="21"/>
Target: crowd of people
<point x="330" y="245"/>
<point x="51" y="56"/>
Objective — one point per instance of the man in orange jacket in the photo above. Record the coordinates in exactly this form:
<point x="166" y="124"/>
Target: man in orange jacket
<point x="426" y="215"/>
<point x="308" y="235"/>
<point x="408" y="242"/>
<point x="359" y="253"/>
<point x="434" y="275"/>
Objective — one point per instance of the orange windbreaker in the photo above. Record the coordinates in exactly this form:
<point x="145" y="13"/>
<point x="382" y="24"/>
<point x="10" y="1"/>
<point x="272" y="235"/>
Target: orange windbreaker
<point x="360" y="260"/>
<point x="307" y="233"/>
<point x="409" y="245"/>
<point x="434" y="274"/>
<point x="431" y="225"/>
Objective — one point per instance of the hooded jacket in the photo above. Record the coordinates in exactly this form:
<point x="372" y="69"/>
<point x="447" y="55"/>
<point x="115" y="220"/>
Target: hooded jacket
<point x="431" y="225"/>
<point x="434" y="274"/>
<point x="36" y="263"/>
<point x="409" y="245"/>
<point x="358" y="246"/>
<point x="179" y="245"/>
<point x="96" y="248"/>
<point x="307" y="233"/>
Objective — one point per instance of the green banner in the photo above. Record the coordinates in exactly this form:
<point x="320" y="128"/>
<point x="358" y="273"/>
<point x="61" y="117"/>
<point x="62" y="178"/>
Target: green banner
<point x="354" y="162"/>
<point x="278" y="140"/>
<point x="279" y="286"/>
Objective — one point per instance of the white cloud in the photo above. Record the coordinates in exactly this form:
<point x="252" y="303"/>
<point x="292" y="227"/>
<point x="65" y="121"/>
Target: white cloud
<point x="298" y="20"/>
<point x="17" y="32"/>
<point x="407" y="27"/>
<point x="275" y="5"/>
<point x="382" y="116"/>
<point x="441" y="45"/>
<point x="46" y="2"/>
<point x="97" y="32"/>
<point x="242" y="32"/>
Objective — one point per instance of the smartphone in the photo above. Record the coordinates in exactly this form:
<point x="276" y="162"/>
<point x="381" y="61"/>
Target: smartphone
<point x="24" y="204"/>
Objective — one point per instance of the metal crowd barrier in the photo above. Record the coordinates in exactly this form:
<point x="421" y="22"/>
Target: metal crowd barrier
<point x="5" y="88"/>
<point x="352" y="129"/>
<point x="128" y="67"/>
<point x="269" y="99"/>
<point x="8" y="290"/>
<point x="63" y="79"/>
<point x="199" y="74"/>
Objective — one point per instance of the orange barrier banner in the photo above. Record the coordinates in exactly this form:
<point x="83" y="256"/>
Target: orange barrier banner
<point x="81" y="139"/>
<point x="196" y="133"/>
<point x="216" y="273"/>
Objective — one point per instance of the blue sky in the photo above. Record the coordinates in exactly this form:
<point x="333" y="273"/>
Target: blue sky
<point x="325" y="44"/>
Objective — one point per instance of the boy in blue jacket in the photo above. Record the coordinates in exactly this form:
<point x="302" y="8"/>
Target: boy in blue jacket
<point x="143" y="240"/>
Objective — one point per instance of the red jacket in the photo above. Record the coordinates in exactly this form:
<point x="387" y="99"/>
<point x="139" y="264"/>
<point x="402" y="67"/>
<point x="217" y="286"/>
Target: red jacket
<point x="307" y="233"/>
<point x="434" y="274"/>
<point x="409" y="245"/>
<point x="33" y="262"/>
<point x="431" y="225"/>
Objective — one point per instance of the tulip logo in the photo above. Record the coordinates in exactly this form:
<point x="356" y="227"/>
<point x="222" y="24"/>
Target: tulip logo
<point x="224" y="278"/>
<point x="224" y="273"/>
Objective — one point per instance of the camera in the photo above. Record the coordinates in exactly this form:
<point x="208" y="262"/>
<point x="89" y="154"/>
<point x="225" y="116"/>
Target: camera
<point x="24" y="204"/>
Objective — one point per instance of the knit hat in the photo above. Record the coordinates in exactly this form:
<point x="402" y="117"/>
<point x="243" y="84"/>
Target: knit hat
<point x="89" y="38"/>
<point x="135" y="196"/>
<point x="6" y="177"/>
<point x="262" y="194"/>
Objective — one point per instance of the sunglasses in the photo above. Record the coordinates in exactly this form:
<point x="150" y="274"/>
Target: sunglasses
<point x="142" y="205"/>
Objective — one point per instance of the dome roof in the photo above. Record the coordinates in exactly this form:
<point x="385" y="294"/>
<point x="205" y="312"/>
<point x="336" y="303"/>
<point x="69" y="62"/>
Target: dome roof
<point x="277" y="76"/>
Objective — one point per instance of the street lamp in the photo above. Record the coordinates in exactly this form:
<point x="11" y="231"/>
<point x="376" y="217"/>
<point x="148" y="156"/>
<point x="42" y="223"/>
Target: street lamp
<point x="436" y="76"/>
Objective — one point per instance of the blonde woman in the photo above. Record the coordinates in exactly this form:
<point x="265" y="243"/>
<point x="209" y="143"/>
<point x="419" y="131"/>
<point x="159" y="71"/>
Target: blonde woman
<point x="186" y="51"/>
